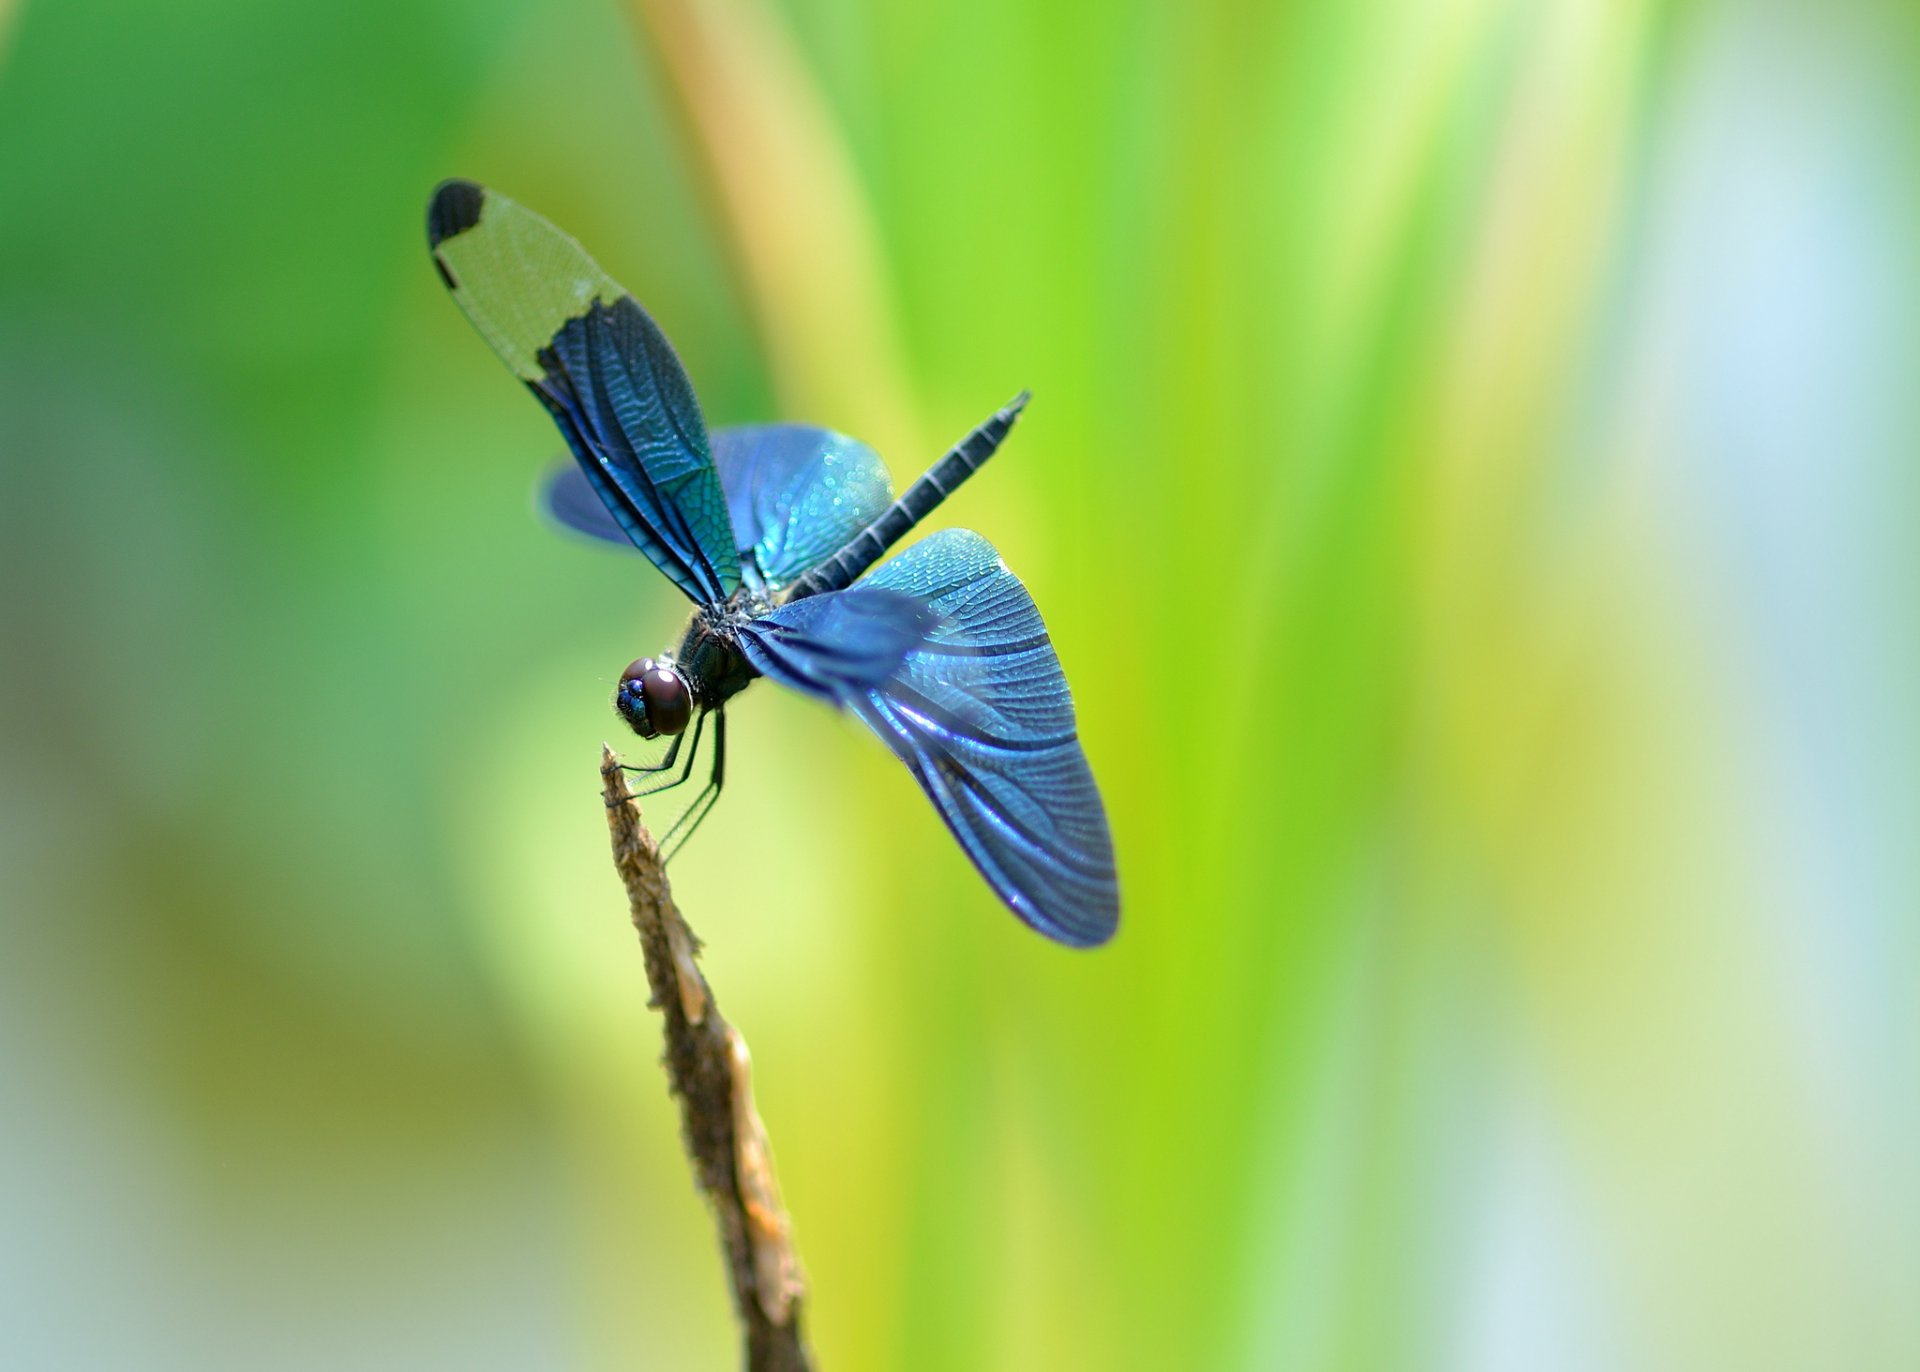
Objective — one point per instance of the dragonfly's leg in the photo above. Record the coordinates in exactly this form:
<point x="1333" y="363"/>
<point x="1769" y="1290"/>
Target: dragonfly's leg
<point x="664" y="764"/>
<point x="704" y="802"/>
<point x="693" y="751"/>
<point x="673" y="754"/>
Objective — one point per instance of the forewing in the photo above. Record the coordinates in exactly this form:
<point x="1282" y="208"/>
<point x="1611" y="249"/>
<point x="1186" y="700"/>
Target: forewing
<point x="979" y="711"/>
<point x="604" y="371"/>
<point x="796" y="493"/>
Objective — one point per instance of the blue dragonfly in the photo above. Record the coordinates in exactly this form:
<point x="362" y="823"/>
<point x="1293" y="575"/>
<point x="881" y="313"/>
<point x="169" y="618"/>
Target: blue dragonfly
<point x="768" y="529"/>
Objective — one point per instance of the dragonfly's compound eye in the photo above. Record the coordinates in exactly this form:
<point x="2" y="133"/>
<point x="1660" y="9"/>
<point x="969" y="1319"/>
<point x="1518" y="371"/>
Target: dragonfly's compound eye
<point x="669" y="701"/>
<point x="654" y="698"/>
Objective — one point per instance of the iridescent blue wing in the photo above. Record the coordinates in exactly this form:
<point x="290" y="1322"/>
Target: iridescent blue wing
<point x="979" y="711"/>
<point x="841" y="644"/>
<point x="604" y="371"/>
<point x="795" y="495"/>
<point x="982" y="716"/>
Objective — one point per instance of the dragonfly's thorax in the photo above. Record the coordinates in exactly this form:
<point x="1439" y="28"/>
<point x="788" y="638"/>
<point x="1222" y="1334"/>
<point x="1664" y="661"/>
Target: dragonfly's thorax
<point x="709" y="651"/>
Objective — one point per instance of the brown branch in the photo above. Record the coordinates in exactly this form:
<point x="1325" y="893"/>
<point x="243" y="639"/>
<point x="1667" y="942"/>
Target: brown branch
<point x="707" y="1069"/>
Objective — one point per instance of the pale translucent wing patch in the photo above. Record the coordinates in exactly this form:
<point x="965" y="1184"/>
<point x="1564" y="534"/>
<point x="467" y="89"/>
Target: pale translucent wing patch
<point x="518" y="278"/>
<point x="604" y="371"/>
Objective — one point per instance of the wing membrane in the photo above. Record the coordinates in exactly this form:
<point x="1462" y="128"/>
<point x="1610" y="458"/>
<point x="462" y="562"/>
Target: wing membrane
<point x="604" y="371"/>
<point x="797" y="493"/>
<point x="840" y="644"/>
<point x="979" y="711"/>
<point x="567" y="496"/>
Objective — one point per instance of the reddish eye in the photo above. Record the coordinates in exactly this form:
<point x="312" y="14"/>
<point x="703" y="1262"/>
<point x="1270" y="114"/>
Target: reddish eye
<point x="636" y="669"/>
<point x="669" y="703"/>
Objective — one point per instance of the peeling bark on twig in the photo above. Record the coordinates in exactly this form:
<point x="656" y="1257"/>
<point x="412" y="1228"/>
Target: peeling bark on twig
<point x="708" y="1069"/>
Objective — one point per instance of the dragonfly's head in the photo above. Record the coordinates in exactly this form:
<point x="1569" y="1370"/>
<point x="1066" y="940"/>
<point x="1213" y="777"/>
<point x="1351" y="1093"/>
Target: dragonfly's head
<point x="654" y="697"/>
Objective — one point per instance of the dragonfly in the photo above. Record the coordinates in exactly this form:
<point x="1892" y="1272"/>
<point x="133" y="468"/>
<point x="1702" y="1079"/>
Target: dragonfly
<point x="773" y="532"/>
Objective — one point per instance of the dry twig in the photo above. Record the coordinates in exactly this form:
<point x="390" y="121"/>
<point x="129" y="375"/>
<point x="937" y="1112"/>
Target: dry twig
<point x="708" y="1071"/>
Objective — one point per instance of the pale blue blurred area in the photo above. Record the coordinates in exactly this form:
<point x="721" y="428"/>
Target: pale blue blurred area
<point x="1805" y="413"/>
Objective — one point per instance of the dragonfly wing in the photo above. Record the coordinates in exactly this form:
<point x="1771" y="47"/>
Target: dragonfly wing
<point x="979" y="711"/>
<point x="797" y="494"/>
<point x="839" y="644"/>
<point x="568" y="497"/>
<point x="604" y="371"/>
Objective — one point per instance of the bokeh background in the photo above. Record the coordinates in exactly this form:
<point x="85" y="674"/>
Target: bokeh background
<point x="1471" y="485"/>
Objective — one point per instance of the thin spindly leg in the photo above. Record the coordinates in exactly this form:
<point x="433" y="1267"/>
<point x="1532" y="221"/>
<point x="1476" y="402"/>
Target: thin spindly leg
<point x="693" y="751"/>
<point x="664" y="764"/>
<point x="704" y="802"/>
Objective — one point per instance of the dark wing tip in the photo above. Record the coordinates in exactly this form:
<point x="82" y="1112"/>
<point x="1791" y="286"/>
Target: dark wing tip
<point x="454" y="209"/>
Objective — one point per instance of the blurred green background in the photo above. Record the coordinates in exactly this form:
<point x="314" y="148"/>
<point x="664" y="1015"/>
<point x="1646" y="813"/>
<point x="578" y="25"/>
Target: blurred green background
<point x="1471" y="485"/>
